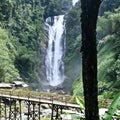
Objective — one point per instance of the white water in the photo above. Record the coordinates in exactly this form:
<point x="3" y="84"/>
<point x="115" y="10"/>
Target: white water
<point x="74" y="2"/>
<point x="55" y="51"/>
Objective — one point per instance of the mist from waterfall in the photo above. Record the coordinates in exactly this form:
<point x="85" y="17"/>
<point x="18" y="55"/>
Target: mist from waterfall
<point x="55" y="51"/>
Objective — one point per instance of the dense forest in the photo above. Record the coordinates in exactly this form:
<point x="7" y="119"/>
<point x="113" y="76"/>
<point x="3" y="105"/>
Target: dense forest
<point x="108" y="36"/>
<point x="23" y="42"/>
<point x="23" y="38"/>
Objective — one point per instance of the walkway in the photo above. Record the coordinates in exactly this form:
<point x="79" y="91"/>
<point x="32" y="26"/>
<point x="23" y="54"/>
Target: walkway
<point x="12" y="102"/>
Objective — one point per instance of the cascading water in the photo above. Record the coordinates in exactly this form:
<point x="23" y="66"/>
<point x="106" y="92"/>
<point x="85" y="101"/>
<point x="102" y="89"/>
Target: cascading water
<point x="55" y="51"/>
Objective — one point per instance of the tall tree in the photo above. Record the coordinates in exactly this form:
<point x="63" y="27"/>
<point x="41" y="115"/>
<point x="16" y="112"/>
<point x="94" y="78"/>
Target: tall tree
<point x="89" y="16"/>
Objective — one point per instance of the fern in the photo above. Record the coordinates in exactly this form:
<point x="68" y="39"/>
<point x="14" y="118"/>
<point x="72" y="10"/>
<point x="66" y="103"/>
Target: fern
<point x="113" y="107"/>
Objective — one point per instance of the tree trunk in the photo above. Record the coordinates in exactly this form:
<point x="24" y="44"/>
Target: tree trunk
<point x="89" y="16"/>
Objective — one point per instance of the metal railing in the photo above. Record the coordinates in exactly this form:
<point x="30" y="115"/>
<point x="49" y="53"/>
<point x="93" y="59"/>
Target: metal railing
<point x="39" y="95"/>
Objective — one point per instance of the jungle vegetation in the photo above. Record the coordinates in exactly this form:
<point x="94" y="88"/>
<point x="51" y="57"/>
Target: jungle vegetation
<point x="23" y="42"/>
<point x="108" y="45"/>
<point x="23" y="38"/>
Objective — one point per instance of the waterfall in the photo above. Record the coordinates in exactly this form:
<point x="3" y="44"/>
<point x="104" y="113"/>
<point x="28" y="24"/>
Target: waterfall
<point x="55" y="51"/>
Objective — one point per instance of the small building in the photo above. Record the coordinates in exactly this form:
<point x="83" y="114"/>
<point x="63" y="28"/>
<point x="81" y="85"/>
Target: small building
<point x="20" y="84"/>
<point x="5" y="86"/>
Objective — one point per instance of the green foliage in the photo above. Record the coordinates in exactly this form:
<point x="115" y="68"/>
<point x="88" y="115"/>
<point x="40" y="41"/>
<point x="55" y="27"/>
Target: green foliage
<point x="113" y="107"/>
<point x="45" y="118"/>
<point x="108" y="35"/>
<point x="73" y="37"/>
<point x="55" y="7"/>
<point x="8" y="72"/>
<point x="73" y="43"/>
<point x="109" y="5"/>
<point x="108" y="55"/>
<point x="77" y="88"/>
<point x="104" y="98"/>
<point x="106" y="58"/>
<point x="24" y="22"/>
<point x="80" y="101"/>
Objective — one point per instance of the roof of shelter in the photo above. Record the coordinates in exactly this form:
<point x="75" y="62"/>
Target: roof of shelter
<point x="5" y="85"/>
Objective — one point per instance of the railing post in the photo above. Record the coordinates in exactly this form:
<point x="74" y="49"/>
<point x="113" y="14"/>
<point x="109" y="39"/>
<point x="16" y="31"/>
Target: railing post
<point x="39" y="110"/>
<point x="28" y="110"/>
<point x="0" y="108"/>
<point x="20" y="112"/>
<point x="15" y="112"/>
<point x="5" y="111"/>
<point x="33" y="111"/>
<point x="61" y="107"/>
<point x="57" y="114"/>
<point x="10" y="109"/>
<point x="52" y="111"/>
